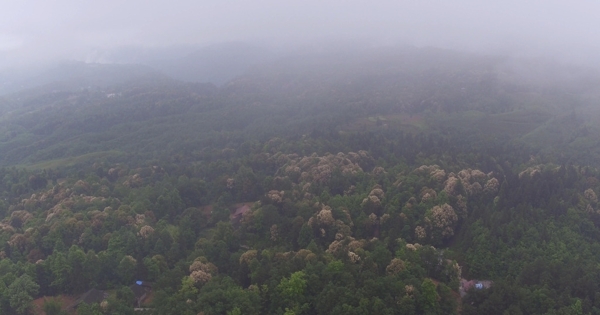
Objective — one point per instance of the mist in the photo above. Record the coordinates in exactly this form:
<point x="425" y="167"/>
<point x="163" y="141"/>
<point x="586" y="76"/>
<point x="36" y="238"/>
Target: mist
<point x="38" y="32"/>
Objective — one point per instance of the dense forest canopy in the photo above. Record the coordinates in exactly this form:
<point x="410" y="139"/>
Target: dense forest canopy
<point x="374" y="181"/>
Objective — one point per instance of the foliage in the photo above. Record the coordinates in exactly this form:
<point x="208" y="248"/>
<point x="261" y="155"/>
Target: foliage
<point x="306" y="193"/>
<point x="21" y="293"/>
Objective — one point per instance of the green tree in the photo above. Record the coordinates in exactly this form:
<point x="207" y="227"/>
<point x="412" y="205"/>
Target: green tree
<point x="293" y="287"/>
<point x="188" y="289"/>
<point x="576" y="308"/>
<point x="429" y="297"/>
<point x="222" y="295"/>
<point x="235" y="311"/>
<point x="61" y="271"/>
<point x="86" y="309"/>
<point x="53" y="307"/>
<point x="127" y="269"/>
<point x="305" y="236"/>
<point x="152" y="268"/>
<point x="21" y="293"/>
<point x="121" y="303"/>
<point x="78" y="280"/>
<point x="292" y="291"/>
<point x="91" y="267"/>
<point x="447" y="301"/>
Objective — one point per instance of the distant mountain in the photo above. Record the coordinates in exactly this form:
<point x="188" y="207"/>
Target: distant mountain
<point x="216" y="64"/>
<point x="72" y="75"/>
<point x="472" y="99"/>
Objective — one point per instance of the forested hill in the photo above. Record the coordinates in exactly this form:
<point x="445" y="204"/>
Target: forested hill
<point x="420" y="91"/>
<point x="339" y="182"/>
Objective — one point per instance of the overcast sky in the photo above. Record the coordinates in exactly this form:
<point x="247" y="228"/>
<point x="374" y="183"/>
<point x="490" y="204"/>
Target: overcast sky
<point x="40" y="29"/>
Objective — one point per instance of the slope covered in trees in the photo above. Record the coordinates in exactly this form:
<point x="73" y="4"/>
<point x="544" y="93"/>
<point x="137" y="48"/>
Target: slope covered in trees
<point x="376" y="182"/>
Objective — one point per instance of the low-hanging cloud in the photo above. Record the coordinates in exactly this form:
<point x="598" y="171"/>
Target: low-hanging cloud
<point x="33" y="30"/>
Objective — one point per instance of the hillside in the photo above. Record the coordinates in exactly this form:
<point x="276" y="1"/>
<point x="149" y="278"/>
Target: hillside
<point x="446" y="92"/>
<point x="376" y="182"/>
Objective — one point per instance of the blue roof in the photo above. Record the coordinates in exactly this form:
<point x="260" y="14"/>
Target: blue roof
<point x="139" y="282"/>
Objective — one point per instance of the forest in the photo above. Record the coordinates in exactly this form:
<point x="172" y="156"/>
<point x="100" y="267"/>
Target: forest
<point x="385" y="181"/>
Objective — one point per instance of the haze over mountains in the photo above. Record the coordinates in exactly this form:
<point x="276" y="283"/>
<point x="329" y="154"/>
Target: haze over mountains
<point x="378" y="178"/>
<point x="138" y="31"/>
<point x="77" y="108"/>
<point x="215" y="64"/>
<point x="274" y="157"/>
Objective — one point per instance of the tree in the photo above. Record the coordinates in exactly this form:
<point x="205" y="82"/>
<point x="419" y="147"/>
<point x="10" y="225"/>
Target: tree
<point x="429" y="297"/>
<point x="292" y="291"/>
<point x="122" y="302"/>
<point x="127" y="269"/>
<point x="293" y="287"/>
<point x="153" y="270"/>
<point x="447" y="300"/>
<point x="21" y="293"/>
<point x="235" y="311"/>
<point x="60" y="270"/>
<point x="91" y="266"/>
<point x="188" y="289"/>
<point x="305" y="236"/>
<point x="85" y="309"/>
<point x="576" y="308"/>
<point x="52" y="307"/>
<point x="78" y="279"/>
<point x="222" y="295"/>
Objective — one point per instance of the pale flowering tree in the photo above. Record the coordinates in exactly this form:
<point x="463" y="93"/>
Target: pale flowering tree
<point x="433" y="171"/>
<point x="396" y="266"/>
<point x="204" y="266"/>
<point x="325" y="217"/>
<point x="140" y="219"/>
<point x="248" y="256"/>
<point x="146" y="231"/>
<point x="319" y="169"/>
<point x="461" y="205"/>
<point x="491" y="186"/>
<point x="413" y="247"/>
<point x="335" y="247"/>
<point x="373" y="219"/>
<point x="275" y="196"/>
<point x="589" y="209"/>
<point x="230" y="183"/>
<point x="478" y="176"/>
<point x="472" y="181"/>
<point x="439" y="224"/>
<point x="353" y="257"/>
<point x="274" y="232"/>
<point x="420" y="232"/>
<point x="373" y="202"/>
<point x="443" y="218"/>
<point x="409" y="289"/>
<point x="474" y="189"/>
<point x="590" y="195"/>
<point x="378" y="170"/>
<point x="438" y="175"/>
<point x="356" y="244"/>
<point x="451" y="185"/>
<point x="302" y="254"/>
<point x="200" y="276"/>
<point x="531" y="171"/>
<point x="201" y="271"/>
<point x="428" y="194"/>
<point x="18" y="241"/>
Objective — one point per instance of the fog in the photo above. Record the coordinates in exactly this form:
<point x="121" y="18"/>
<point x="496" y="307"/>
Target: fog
<point x="34" y="31"/>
